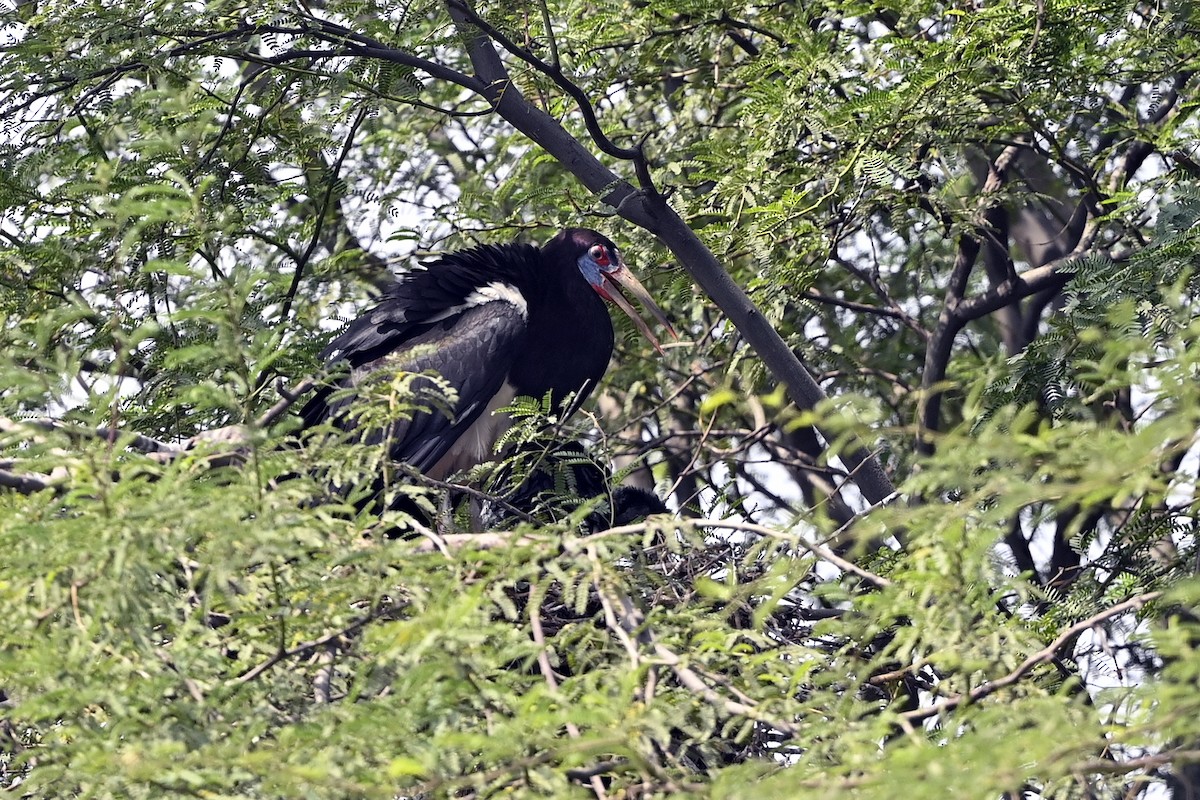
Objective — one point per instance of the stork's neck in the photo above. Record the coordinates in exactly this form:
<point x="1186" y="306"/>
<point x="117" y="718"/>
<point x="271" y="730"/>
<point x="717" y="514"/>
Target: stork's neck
<point x="570" y="338"/>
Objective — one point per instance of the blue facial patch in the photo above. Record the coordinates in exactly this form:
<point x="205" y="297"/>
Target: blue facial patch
<point x="591" y="270"/>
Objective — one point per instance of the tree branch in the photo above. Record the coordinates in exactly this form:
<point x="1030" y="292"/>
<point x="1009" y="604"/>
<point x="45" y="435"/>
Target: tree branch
<point x="951" y="320"/>
<point x="820" y="551"/>
<point x="651" y="212"/>
<point x="322" y="212"/>
<point x="1047" y="653"/>
<point x="137" y="441"/>
<point x="307" y="647"/>
<point x="26" y="482"/>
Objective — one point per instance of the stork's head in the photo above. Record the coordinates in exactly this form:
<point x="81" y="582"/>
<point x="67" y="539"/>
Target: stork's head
<point x="601" y="265"/>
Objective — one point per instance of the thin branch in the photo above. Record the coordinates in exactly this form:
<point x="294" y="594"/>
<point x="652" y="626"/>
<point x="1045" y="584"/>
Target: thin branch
<point x="1048" y="653"/>
<point x="820" y="551"/>
<point x="555" y="74"/>
<point x="26" y="482"/>
<point x="364" y="45"/>
<point x="470" y="491"/>
<point x="864" y="308"/>
<point x="1144" y="762"/>
<point x="137" y="441"/>
<point x="539" y="638"/>
<point x="689" y="678"/>
<point x="322" y="213"/>
<point x="307" y="647"/>
<point x="596" y="770"/>
<point x="287" y="398"/>
<point x="555" y="62"/>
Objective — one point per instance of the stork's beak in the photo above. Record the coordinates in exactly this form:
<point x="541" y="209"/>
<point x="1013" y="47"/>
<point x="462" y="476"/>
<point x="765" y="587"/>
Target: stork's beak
<point x="622" y="278"/>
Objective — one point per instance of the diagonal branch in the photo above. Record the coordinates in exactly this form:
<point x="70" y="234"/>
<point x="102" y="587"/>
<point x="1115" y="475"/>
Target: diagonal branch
<point x="650" y="211"/>
<point x="283" y="653"/>
<point x="817" y="550"/>
<point x="1047" y="653"/>
<point x="555" y="74"/>
<point x="26" y="482"/>
<point x="950" y="321"/>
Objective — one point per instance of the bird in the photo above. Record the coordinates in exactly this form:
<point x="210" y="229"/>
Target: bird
<point x="557" y="475"/>
<point x="493" y="322"/>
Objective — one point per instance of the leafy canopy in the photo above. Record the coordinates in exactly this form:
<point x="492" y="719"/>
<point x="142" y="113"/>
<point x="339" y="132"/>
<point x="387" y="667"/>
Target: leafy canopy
<point x="976" y="224"/>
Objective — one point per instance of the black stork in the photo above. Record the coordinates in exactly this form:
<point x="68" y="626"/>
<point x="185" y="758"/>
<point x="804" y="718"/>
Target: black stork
<point x="496" y="322"/>
<point x="568" y="464"/>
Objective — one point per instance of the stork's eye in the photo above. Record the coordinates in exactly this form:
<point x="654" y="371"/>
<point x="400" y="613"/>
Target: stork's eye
<point x="599" y="254"/>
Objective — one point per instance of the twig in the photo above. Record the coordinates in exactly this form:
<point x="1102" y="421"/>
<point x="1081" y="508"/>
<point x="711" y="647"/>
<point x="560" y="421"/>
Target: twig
<point x="287" y="398"/>
<point x="309" y="646"/>
<point x="630" y="623"/>
<point x="596" y="770"/>
<point x="555" y="74"/>
<point x="539" y="638"/>
<point x="1144" y="762"/>
<point x="817" y="550"/>
<point x="689" y="678"/>
<point x="1047" y="653"/>
<point x="864" y="308"/>
<point x="322" y="213"/>
<point x="364" y="45"/>
<point x="470" y="491"/>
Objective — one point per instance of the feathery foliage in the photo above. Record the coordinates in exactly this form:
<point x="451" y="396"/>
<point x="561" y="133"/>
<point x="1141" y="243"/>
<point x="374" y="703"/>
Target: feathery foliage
<point x="977" y="225"/>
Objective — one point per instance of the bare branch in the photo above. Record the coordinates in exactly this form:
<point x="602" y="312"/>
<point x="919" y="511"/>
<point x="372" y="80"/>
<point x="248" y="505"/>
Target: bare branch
<point x="307" y="647"/>
<point x="322" y="213"/>
<point x="863" y="308"/>
<point x="1051" y="275"/>
<point x="1144" y="762"/>
<point x="820" y="551"/>
<point x="689" y="678"/>
<point x="539" y="638"/>
<point x="580" y="97"/>
<point x="137" y="441"/>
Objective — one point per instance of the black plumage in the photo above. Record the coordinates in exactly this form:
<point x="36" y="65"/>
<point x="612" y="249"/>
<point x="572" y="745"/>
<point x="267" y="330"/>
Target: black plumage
<point x="495" y="322"/>
<point x="566" y="469"/>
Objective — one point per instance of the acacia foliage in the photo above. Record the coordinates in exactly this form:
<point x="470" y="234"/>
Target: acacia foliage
<point x="977" y="224"/>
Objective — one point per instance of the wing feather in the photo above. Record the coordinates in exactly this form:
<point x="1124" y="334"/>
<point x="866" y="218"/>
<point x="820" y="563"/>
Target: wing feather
<point x="473" y="350"/>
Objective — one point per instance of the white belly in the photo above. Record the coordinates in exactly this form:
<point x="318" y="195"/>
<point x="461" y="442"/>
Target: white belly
<point x="475" y="445"/>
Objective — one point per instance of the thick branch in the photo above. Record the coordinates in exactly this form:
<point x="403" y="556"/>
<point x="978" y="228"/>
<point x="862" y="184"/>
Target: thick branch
<point x="25" y="482"/>
<point x="651" y="212"/>
<point x="951" y="320"/>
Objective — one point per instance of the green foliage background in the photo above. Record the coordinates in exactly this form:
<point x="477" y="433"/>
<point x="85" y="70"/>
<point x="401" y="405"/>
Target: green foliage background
<point x="191" y="193"/>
